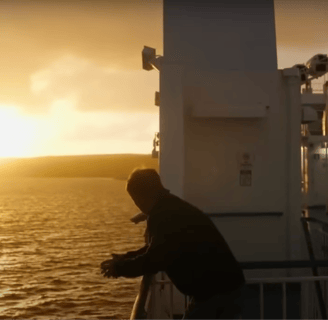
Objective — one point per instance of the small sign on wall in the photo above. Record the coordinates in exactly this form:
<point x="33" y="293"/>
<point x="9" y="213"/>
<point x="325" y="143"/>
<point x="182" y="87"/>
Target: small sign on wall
<point x="245" y="160"/>
<point x="245" y="178"/>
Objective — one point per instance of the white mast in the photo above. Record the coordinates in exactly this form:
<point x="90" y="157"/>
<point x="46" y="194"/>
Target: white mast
<point x="230" y="124"/>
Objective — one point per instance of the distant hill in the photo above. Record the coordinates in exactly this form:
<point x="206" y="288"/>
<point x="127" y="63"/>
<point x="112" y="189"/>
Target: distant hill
<point x="117" y="166"/>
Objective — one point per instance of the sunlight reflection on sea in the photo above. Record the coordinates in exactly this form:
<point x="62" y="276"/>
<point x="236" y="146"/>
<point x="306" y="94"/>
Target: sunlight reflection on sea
<point x="54" y="233"/>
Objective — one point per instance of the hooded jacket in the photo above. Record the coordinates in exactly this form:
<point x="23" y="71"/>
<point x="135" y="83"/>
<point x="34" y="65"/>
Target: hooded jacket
<point x="185" y="244"/>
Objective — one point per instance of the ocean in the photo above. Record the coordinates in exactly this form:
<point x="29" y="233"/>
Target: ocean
<point x="54" y="233"/>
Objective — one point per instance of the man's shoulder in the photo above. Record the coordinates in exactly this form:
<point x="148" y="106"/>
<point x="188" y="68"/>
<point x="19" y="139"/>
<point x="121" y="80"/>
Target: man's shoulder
<point x="181" y="204"/>
<point x="173" y="207"/>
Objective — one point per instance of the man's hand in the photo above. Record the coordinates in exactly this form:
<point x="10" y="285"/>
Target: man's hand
<point x="118" y="256"/>
<point x="108" y="268"/>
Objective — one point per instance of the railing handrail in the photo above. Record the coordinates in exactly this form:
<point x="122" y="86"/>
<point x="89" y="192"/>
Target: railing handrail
<point x="266" y="280"/>
<point x="282" y="264"/>
<point x="286" y="279"/>
<point x="322" y="223"/>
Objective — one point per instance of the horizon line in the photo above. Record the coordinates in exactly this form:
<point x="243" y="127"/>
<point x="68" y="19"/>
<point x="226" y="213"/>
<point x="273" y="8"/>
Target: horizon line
<point x="73" y="155"/>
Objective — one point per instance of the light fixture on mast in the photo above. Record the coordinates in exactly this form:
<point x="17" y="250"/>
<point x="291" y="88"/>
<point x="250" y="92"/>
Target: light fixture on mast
<point x="150" y="60"/>
<point x="303" y="72"/>
<point x="317" y="66"/>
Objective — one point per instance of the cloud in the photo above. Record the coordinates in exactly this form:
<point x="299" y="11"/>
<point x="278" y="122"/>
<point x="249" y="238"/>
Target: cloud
<point x="111" y="34"/>
<point x="114" y="131"/>
<point x="65" y="130"/>
<point x="92" y="126"/>
<point x="34" y="34"/>
<point x="94" y="87"/>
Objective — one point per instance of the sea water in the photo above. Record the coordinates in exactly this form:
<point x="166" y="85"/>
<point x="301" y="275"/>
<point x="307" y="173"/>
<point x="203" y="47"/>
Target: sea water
<point x="54" y="234"/>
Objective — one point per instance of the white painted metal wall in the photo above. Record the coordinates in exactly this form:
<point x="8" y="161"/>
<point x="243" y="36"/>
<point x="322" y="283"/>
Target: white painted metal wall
<point x="221" y="96"/>
<point x="221" y="34"/>
<point x="209" y="66"/>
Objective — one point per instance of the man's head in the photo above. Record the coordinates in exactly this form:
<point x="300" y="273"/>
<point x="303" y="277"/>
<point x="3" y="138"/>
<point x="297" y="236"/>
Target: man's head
<point x="145" y="188"/>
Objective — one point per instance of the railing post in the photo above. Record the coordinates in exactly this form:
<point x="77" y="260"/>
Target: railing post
<point x="138" y="311"/>
<point x="261" y="301"/>
<point x="284" y="301"/>
<point x="171" y="299"/>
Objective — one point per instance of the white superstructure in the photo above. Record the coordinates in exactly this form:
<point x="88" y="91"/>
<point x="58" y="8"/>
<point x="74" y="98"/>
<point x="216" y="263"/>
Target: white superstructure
<point x="230" y="121"/>
<point x="230" y="128"/>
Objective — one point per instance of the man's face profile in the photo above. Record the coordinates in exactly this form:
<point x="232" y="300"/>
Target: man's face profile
<point x="141" y="202"/>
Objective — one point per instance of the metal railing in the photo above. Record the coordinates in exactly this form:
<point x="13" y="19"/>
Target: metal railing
<point x="283" y="281"/>
<point x="312" y="311"/>
<point x="316" y="308"/>
<point x="317" y="87"/>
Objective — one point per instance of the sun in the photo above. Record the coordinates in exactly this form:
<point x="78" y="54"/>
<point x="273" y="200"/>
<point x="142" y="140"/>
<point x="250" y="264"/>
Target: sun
<point x="17" y="133"/>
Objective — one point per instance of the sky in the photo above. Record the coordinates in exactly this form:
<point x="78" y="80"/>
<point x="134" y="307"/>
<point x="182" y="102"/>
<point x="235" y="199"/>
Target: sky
<point x="71" y="78"/>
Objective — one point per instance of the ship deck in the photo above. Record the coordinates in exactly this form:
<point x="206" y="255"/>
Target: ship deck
<point x="302" y="297"/>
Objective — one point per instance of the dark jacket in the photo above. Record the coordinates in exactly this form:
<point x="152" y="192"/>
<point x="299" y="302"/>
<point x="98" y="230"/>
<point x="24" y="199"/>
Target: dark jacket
<point x="186" y="245"/>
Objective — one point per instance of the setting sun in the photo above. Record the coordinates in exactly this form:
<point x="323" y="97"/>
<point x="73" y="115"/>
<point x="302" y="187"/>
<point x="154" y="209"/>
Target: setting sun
<point x="17" y="133"/>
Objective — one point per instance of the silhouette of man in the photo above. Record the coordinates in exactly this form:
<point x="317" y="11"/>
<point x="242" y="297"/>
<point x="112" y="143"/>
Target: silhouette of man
<point x="186" y="245"/>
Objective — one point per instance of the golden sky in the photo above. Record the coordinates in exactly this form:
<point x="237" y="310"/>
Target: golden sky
<point x="71" y="80"/>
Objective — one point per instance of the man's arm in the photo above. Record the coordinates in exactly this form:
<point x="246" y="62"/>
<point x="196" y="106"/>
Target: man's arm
<point x="164" y="243"/>
<point x="150" y="262"/>
<point x="133" y="254"/>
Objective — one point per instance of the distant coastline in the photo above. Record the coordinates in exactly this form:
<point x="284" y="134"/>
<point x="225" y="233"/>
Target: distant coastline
<point x="116" y="166"/>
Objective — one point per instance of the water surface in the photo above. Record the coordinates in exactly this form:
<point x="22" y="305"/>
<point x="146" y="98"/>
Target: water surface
<point x="54" y="233"/>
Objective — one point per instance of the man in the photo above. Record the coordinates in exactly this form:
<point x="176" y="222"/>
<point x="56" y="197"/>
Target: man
<point x="186" y="245"/>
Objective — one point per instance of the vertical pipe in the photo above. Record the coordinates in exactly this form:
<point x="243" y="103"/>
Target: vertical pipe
<point x="304" y="300"/>
<point x="302" y="168"/>
<point x="325" y="91"/>
<point x="306" y="167"/>
<point x="293" y="159"/>
<point x="326" y="167"/>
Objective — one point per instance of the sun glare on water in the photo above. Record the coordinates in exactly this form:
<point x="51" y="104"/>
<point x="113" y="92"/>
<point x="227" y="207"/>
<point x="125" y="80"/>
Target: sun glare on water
<point x="17" y="133"/>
